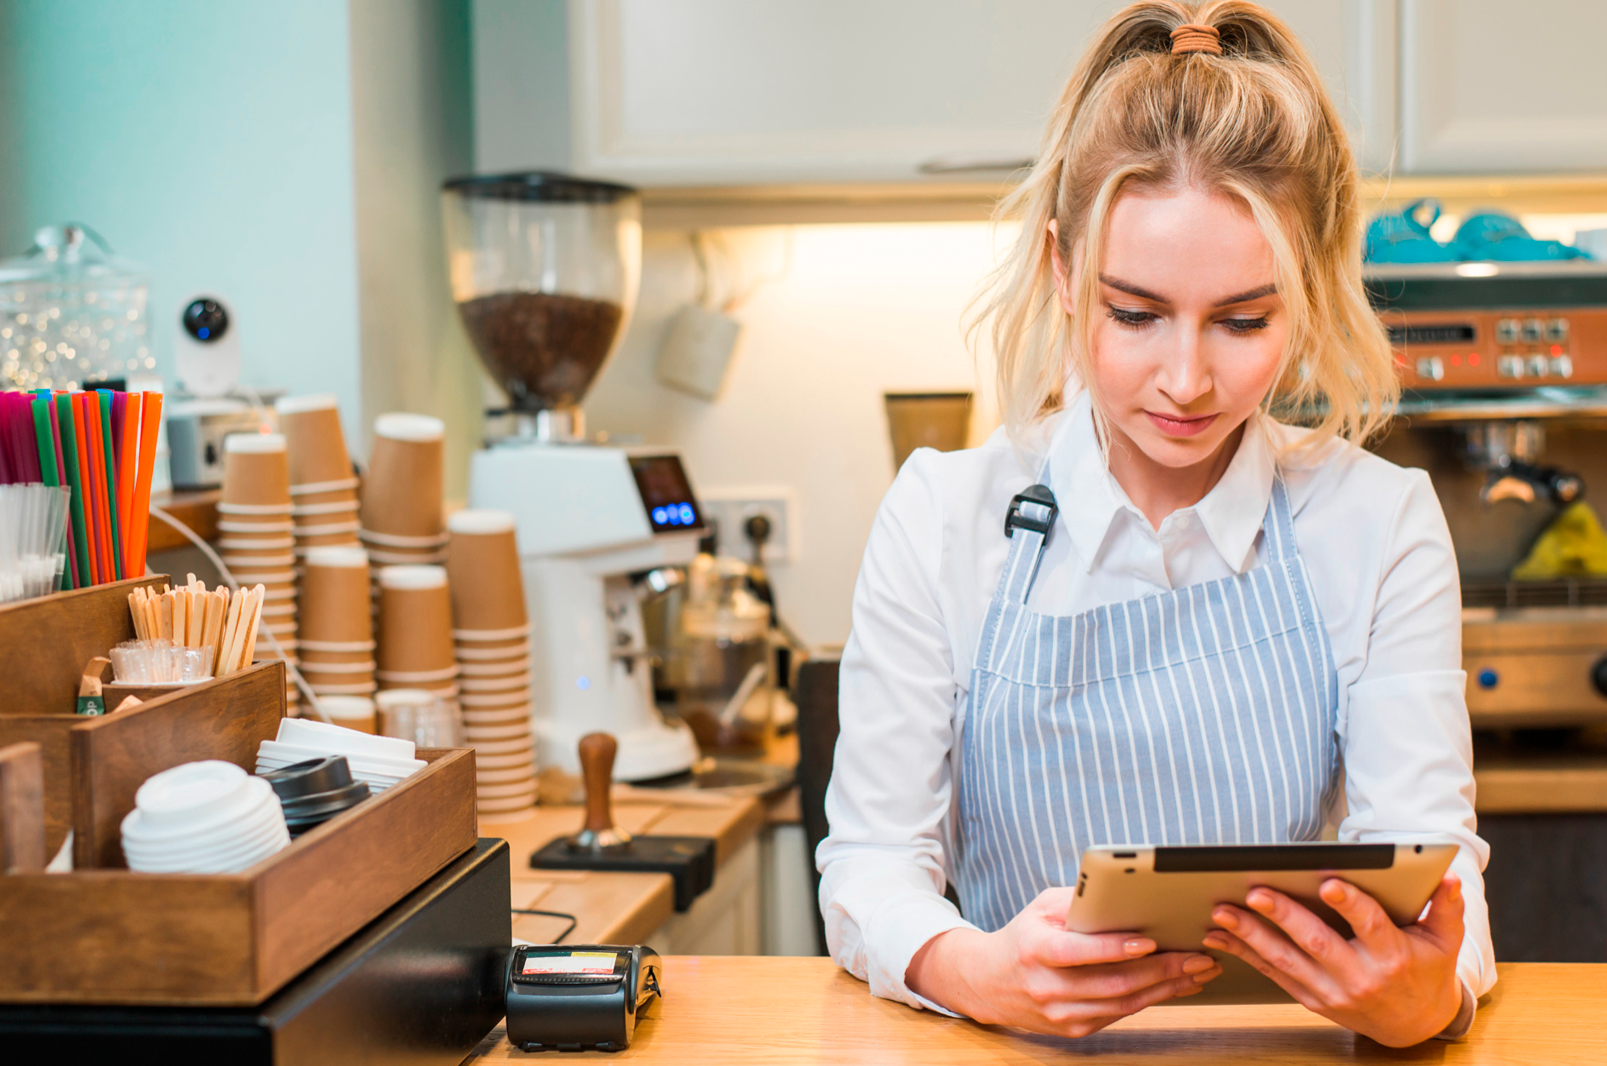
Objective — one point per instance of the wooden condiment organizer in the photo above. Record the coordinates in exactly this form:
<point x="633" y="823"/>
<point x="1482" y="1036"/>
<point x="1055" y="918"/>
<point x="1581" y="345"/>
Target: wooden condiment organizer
<point x="105" y="934"/>
<point x="44" y="644"/>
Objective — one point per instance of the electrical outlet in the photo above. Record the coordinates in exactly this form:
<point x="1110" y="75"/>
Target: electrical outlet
<point x="732" y="507"/>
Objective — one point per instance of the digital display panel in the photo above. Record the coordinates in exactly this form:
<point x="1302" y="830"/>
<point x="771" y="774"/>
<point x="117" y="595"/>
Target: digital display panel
<point x="666" y="493"/>
<point x="1450" y="333"/>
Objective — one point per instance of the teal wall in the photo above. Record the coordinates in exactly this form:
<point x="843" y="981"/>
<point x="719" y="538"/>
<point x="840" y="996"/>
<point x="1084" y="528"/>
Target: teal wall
<point x="282" y="153"/>
<point x="210" y="140"/>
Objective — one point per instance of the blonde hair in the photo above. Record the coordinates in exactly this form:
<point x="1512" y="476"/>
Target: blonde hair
<point x="1253" y="123"/>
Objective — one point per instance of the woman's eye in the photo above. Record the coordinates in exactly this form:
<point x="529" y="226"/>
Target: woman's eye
<point x="1132" y="319"/>
<point x="1245" y="325"/>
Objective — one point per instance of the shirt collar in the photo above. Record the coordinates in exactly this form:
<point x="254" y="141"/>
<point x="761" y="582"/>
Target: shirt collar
<point x="1090" y="499"/>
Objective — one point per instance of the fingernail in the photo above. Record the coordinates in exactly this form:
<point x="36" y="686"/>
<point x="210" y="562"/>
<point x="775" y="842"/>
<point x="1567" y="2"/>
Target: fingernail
<point x="1189" y="990"/>
<point x="1259" y="900"/>
<point x="1226" y="918"/>
<point x="1209" y="975"/>
<point x="1220" y="943"/>
<point x="1139" y="946"/>
<point x="1197" y="963"/>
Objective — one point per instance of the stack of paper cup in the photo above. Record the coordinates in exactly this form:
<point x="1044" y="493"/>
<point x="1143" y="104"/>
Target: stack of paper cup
<point x="415" y="631"/>
<point x="322" y="488"/>
<point x="402" y="517"/>
<point x="337" y="630"/>
<point x="256" y="541"/>
<point x="492" y="633"/>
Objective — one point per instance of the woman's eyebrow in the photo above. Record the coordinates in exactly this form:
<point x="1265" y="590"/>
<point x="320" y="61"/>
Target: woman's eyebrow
<point x="1144" y="294"/>
<point x="1130" y="289"/>
<point x="1250" y="294"/>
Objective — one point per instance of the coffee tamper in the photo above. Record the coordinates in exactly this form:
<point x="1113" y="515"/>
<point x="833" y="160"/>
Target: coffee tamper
<point x="602" y="845"/>
<point x="600" y="834"/>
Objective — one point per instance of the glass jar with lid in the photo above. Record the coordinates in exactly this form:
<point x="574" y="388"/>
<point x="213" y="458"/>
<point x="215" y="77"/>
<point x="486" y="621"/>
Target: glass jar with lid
<point x="71" y="314"/>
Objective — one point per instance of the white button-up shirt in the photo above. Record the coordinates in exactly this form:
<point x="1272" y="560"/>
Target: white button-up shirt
<point x="1375" y="544"/>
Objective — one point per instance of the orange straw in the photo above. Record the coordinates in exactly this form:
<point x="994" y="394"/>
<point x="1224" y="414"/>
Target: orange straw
<point x="140" y="509"/>
<point x="126" y="478"/>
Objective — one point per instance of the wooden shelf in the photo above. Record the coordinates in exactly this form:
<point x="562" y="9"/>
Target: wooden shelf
<point x="198" y="510"/>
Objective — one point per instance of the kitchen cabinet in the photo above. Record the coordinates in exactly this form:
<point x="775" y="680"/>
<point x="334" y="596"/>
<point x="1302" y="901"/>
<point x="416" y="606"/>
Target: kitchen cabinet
<point x="1487" y="86"/>
<point x="726" y="92"/>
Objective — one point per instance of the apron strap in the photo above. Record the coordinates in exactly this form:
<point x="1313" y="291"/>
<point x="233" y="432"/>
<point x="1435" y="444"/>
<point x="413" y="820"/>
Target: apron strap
<point x="1028" y="522"/>
<point x="1279" y="524"/>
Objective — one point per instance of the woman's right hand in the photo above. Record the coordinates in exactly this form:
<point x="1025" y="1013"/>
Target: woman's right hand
<point x="1036" y="974"/>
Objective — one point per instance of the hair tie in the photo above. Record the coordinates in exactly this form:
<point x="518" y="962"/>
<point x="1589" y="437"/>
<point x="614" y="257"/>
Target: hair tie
<point x="1196" y="38"/>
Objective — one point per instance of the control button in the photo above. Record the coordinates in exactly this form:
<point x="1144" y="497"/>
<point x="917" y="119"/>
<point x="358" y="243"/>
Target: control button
<point x="1562" y="366"/>
<point x="1533" y="329"/>
<point x="1557" y="329"/>
<point x="1509" y="366"/>
<point x="1488" y="678"/>
<point x="1506" y="331"/>
<point x="1537" y="365"/>
<point x="1598" y="675"/>
<point x="1432" y="368"/>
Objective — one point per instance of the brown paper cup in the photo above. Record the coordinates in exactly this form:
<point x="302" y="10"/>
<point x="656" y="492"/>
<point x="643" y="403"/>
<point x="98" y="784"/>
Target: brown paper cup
<point x="415" y="620"/>
<point x="490" y="701"/>
<point x="255" y="470"/>
<point x="315" y="444"/>
<point x="335" y="596"/>
<point x="469" y="669"/>
<point x="365" y="688"/>
<point x="482" y="561"/>
<point x="353" y="712"/>
<point x="311" y="496"/>
<point x="325" y="540"/>
<point x="403" y="491"/>
<point x="488" y="685"/>
<point x="523" y="757"/>
<point x="336" y="658"/>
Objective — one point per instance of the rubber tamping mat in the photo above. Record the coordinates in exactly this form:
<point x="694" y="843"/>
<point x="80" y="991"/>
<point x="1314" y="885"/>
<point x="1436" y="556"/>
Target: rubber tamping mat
<point x="688" y="860"/>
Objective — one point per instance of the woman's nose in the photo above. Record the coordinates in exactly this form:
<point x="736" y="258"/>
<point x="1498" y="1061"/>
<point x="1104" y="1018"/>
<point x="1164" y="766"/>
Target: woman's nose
<point x="1186" y="375"/>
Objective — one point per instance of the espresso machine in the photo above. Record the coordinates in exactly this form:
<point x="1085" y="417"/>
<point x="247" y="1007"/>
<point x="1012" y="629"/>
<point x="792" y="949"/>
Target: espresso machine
<point x="1505" y="405"/>
<point x="544" y="269"/>
<point x="1505" y="370"/>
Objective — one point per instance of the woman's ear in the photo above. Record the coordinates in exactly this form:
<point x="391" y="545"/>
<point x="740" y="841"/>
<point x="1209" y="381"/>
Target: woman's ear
<point x="1064" y="285"/>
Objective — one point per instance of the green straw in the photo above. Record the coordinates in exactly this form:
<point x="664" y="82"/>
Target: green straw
<point x="46" y="442"/>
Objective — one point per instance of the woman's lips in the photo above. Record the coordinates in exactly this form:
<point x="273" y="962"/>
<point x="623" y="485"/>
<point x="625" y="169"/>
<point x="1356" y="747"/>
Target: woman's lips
<point x="1174" y="426"/>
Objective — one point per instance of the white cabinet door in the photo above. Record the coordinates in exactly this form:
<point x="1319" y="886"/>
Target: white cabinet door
<point x="1494" y="86"/>
<point x="687" y="92"/>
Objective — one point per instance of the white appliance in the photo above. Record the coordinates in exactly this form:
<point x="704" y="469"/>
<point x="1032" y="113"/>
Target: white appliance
<point x="589" y="517"/>
<point x="544" y="270"/>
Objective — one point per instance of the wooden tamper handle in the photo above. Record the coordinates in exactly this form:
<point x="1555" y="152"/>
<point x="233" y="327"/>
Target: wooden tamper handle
<point x="597" y="751"/>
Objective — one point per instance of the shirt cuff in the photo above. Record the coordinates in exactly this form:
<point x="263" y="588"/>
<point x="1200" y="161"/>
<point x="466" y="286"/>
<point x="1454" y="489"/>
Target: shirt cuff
<point x="1464" y="1017"/>
<point x="897" y="930"/>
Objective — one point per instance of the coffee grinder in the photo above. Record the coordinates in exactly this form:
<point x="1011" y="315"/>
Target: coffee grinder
<point x="544" y="269"/>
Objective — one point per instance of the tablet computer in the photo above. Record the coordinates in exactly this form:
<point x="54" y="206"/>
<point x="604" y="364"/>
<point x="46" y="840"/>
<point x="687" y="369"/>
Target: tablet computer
<point x="1167" y="894"/>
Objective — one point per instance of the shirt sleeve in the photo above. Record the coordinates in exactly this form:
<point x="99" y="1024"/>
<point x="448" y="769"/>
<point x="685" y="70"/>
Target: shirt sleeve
<point x="1407" y="744"/>
<point x="882" y="865"/>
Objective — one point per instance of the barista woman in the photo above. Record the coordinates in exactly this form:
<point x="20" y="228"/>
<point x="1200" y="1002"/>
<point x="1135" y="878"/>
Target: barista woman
<point x="1224" y="629"/>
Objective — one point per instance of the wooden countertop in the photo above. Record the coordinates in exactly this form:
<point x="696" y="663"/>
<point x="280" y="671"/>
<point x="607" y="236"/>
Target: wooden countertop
<point x="614" y="908"/>
<point x="772" y="1011"/>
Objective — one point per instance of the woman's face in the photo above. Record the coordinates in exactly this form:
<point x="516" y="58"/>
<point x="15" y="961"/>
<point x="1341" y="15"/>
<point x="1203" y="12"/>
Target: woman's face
<point x="1190" y="329"/>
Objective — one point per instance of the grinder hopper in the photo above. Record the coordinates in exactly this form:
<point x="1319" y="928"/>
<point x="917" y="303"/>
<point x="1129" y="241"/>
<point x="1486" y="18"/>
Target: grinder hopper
<point x="544" y="269"/>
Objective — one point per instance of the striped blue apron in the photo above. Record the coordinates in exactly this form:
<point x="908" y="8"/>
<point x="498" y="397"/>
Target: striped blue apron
<point x="1203" y="715"/>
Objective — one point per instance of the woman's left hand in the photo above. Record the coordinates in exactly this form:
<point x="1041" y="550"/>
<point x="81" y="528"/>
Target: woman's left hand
<point x="1396" y="985"/>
